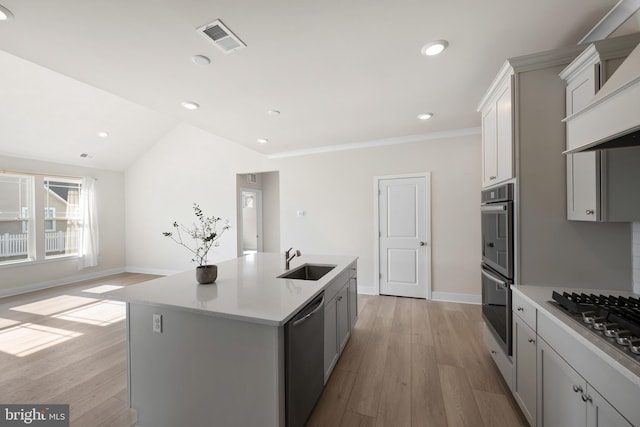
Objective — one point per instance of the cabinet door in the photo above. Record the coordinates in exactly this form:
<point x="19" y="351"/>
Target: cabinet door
<point x="489" y="146"/>
<point x="524" y="355"/>
<point x="353" y="301"/>
<point x="583" y="186"/>
<point x="560" y="390"/>
<point x="600" y="413"/>
<point x="504" y="132"/>
<point x="342" y="307"/>
<point x="330" y="338"/>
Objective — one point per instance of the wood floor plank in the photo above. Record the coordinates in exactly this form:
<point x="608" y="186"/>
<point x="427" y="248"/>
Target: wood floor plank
<point x="354" y="419"/>
<point x="443" y="337"/>
<point x="459" y="400"/>
<point x="333" y="402"/>
<point x="427" y="401"/>
<point x="420" y="324"/>
<point x="365" y="396"/>
<point x="497" y="411"/>
<point x="395" y="399"/>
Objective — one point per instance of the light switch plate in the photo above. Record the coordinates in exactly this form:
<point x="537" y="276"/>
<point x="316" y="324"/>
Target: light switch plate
<point x="157" y="323"/>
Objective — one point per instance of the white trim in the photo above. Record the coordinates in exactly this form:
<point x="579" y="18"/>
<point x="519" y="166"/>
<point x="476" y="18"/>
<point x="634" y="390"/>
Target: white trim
<point x="376" y="227"/>
<point x="378" y="142"/>
<point x="617" y="16"/>
<point x="156" y="271"/>
<point x="456" y="297"/>
<point x="58" y="282"/>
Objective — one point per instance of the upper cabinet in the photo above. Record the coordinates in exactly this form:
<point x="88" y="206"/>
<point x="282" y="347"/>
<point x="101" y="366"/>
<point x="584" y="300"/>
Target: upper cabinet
<point x="497" y="130"/>
<point x="590" y="173"/>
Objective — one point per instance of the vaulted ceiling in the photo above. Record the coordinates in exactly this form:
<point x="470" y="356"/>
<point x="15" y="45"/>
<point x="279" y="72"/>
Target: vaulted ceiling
<point x="339" y="72"/>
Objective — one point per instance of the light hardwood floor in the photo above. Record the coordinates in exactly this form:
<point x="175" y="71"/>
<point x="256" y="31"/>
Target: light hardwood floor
<point x="408" y="362"/>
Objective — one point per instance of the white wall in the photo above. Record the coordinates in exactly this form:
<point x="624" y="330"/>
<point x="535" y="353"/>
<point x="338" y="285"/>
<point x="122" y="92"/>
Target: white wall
<point x="336" y="192"/>
<point x="187" y="166"/>
<point x="18" y="278"/>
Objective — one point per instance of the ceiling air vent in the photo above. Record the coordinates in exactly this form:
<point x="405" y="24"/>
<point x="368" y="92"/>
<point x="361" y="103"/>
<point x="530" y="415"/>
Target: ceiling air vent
<point x="221" y="36"/>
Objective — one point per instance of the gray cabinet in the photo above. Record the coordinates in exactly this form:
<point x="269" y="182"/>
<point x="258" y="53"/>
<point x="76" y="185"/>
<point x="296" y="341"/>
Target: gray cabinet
<point x="524" y="361"/>
<point x="592" y="191"/>
<point x="566" y="399"/>
<point x="497" y="130"/>
<point x="340" y="314"/>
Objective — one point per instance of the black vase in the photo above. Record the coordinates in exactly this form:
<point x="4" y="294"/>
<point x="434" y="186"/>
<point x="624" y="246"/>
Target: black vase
<point x="206" y="274"/>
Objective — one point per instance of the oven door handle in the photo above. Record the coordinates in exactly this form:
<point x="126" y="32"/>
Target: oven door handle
<point x="493" y="208"/>
<point x="494" y="278"/>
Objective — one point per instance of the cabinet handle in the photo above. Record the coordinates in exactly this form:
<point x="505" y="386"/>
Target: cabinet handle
<point x="520" y="308"/>
<point x="589" y="211"/>
<point x="577" y="389"/>
<point x="532" y="341"/>
<point x="491" y="178"/>
<point x="493" y="352"/>
<point x="586" y="398"/>
<point x="339" y="298"/>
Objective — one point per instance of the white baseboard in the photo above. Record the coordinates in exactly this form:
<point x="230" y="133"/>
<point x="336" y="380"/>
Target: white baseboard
<point x="456" y="297"/>
<point x="59" y="282"/>
<point x="156" y="271"/>
<point x="367" y="290"/>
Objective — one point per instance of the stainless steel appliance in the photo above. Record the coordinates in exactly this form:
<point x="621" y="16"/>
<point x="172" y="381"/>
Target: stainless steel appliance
<point x="304" y="362"/>
<point x="497" y="261"/>
<point x="615" y="319"/>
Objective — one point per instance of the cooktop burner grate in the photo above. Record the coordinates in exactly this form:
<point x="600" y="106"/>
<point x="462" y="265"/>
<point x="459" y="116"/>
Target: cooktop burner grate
<point x="616" y="318"/>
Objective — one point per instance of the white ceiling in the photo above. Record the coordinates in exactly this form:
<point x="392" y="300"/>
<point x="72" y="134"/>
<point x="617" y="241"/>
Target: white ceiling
<point x="340" y="72"/>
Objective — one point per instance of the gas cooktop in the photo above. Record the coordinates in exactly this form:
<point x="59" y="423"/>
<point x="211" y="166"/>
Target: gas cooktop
<point x="614" y="318"/>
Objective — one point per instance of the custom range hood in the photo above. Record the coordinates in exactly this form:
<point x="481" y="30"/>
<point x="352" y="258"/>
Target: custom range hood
<point x="612" y="119"/>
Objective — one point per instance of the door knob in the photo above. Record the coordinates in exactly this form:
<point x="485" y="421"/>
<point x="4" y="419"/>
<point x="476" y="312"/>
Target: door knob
<point x="423" y="243"/>
<point x="590" y="211"/>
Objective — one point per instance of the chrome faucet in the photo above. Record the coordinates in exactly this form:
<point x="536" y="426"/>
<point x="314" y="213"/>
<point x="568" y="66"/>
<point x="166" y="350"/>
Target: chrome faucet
<point x="289" y="257"/>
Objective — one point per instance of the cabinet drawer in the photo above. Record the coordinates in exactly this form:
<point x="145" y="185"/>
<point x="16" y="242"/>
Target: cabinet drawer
<point x="524" y="309"/>
<point x="337" y="284"/>
<point x="502" y="361"/>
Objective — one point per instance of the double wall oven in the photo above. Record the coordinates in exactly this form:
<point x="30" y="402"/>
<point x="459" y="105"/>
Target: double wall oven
<point x="497" y="261"/>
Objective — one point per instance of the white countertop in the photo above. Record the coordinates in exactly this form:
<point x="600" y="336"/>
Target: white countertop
<point x="540" y="297"/>
<point x="246" y="289"/>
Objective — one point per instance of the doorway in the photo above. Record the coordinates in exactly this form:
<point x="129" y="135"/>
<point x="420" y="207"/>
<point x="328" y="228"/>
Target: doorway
<point x="403" y="235"/>
<point x="251" y="221"/>
<point x="258" y="212"/>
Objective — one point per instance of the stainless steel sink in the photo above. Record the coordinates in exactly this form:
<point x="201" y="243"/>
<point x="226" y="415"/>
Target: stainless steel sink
<point x="308" y="272"/>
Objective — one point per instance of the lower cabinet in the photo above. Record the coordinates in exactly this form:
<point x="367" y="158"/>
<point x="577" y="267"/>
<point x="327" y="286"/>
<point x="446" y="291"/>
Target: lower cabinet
<point x="340" y="315"/>
<point x="566" y="399"/>
<point x="524" y="360"/>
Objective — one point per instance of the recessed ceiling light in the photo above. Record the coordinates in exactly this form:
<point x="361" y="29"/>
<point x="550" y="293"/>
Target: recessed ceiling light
<point x="273" y="112"/>
<point x="190" y="105"/>
<point x="434" y="47"/>
<point x="201" y="60"/>
<point x="425" y="116"/>
<point x="86" y="155"/>
<point x="5" y="14"/>
<point x="103" y="134"/>
<point x="263" y="140"/>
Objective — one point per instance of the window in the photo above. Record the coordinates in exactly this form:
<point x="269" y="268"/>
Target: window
<point x="31" y="231"/>
<point x="62" y="219"/>
<point x="15" y="222"/>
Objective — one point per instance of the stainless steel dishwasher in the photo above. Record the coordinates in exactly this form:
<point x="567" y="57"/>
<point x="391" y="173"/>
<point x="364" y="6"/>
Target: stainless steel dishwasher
<point x="304" y="362"/>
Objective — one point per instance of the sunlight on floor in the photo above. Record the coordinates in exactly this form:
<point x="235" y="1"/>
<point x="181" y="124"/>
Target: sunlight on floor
<point x="29" y="338"/>
<point x="102" y="313"/>
<point x="53" y="305"/>
<point x="102" y="289"/>
<point x="7" y="322"/>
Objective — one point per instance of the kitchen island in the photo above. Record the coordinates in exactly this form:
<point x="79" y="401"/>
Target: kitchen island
<point x="214" y="354"/>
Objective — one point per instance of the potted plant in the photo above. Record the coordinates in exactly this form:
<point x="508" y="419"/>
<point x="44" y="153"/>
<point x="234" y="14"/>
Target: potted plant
<point x="205" y="235"/>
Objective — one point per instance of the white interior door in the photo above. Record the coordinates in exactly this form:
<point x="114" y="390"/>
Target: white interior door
<point x="404" y="250"/>
<point x="251" y="223"/>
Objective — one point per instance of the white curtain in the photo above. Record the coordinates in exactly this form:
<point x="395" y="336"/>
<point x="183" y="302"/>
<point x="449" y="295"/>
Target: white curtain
<point x="89" y="243"/>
